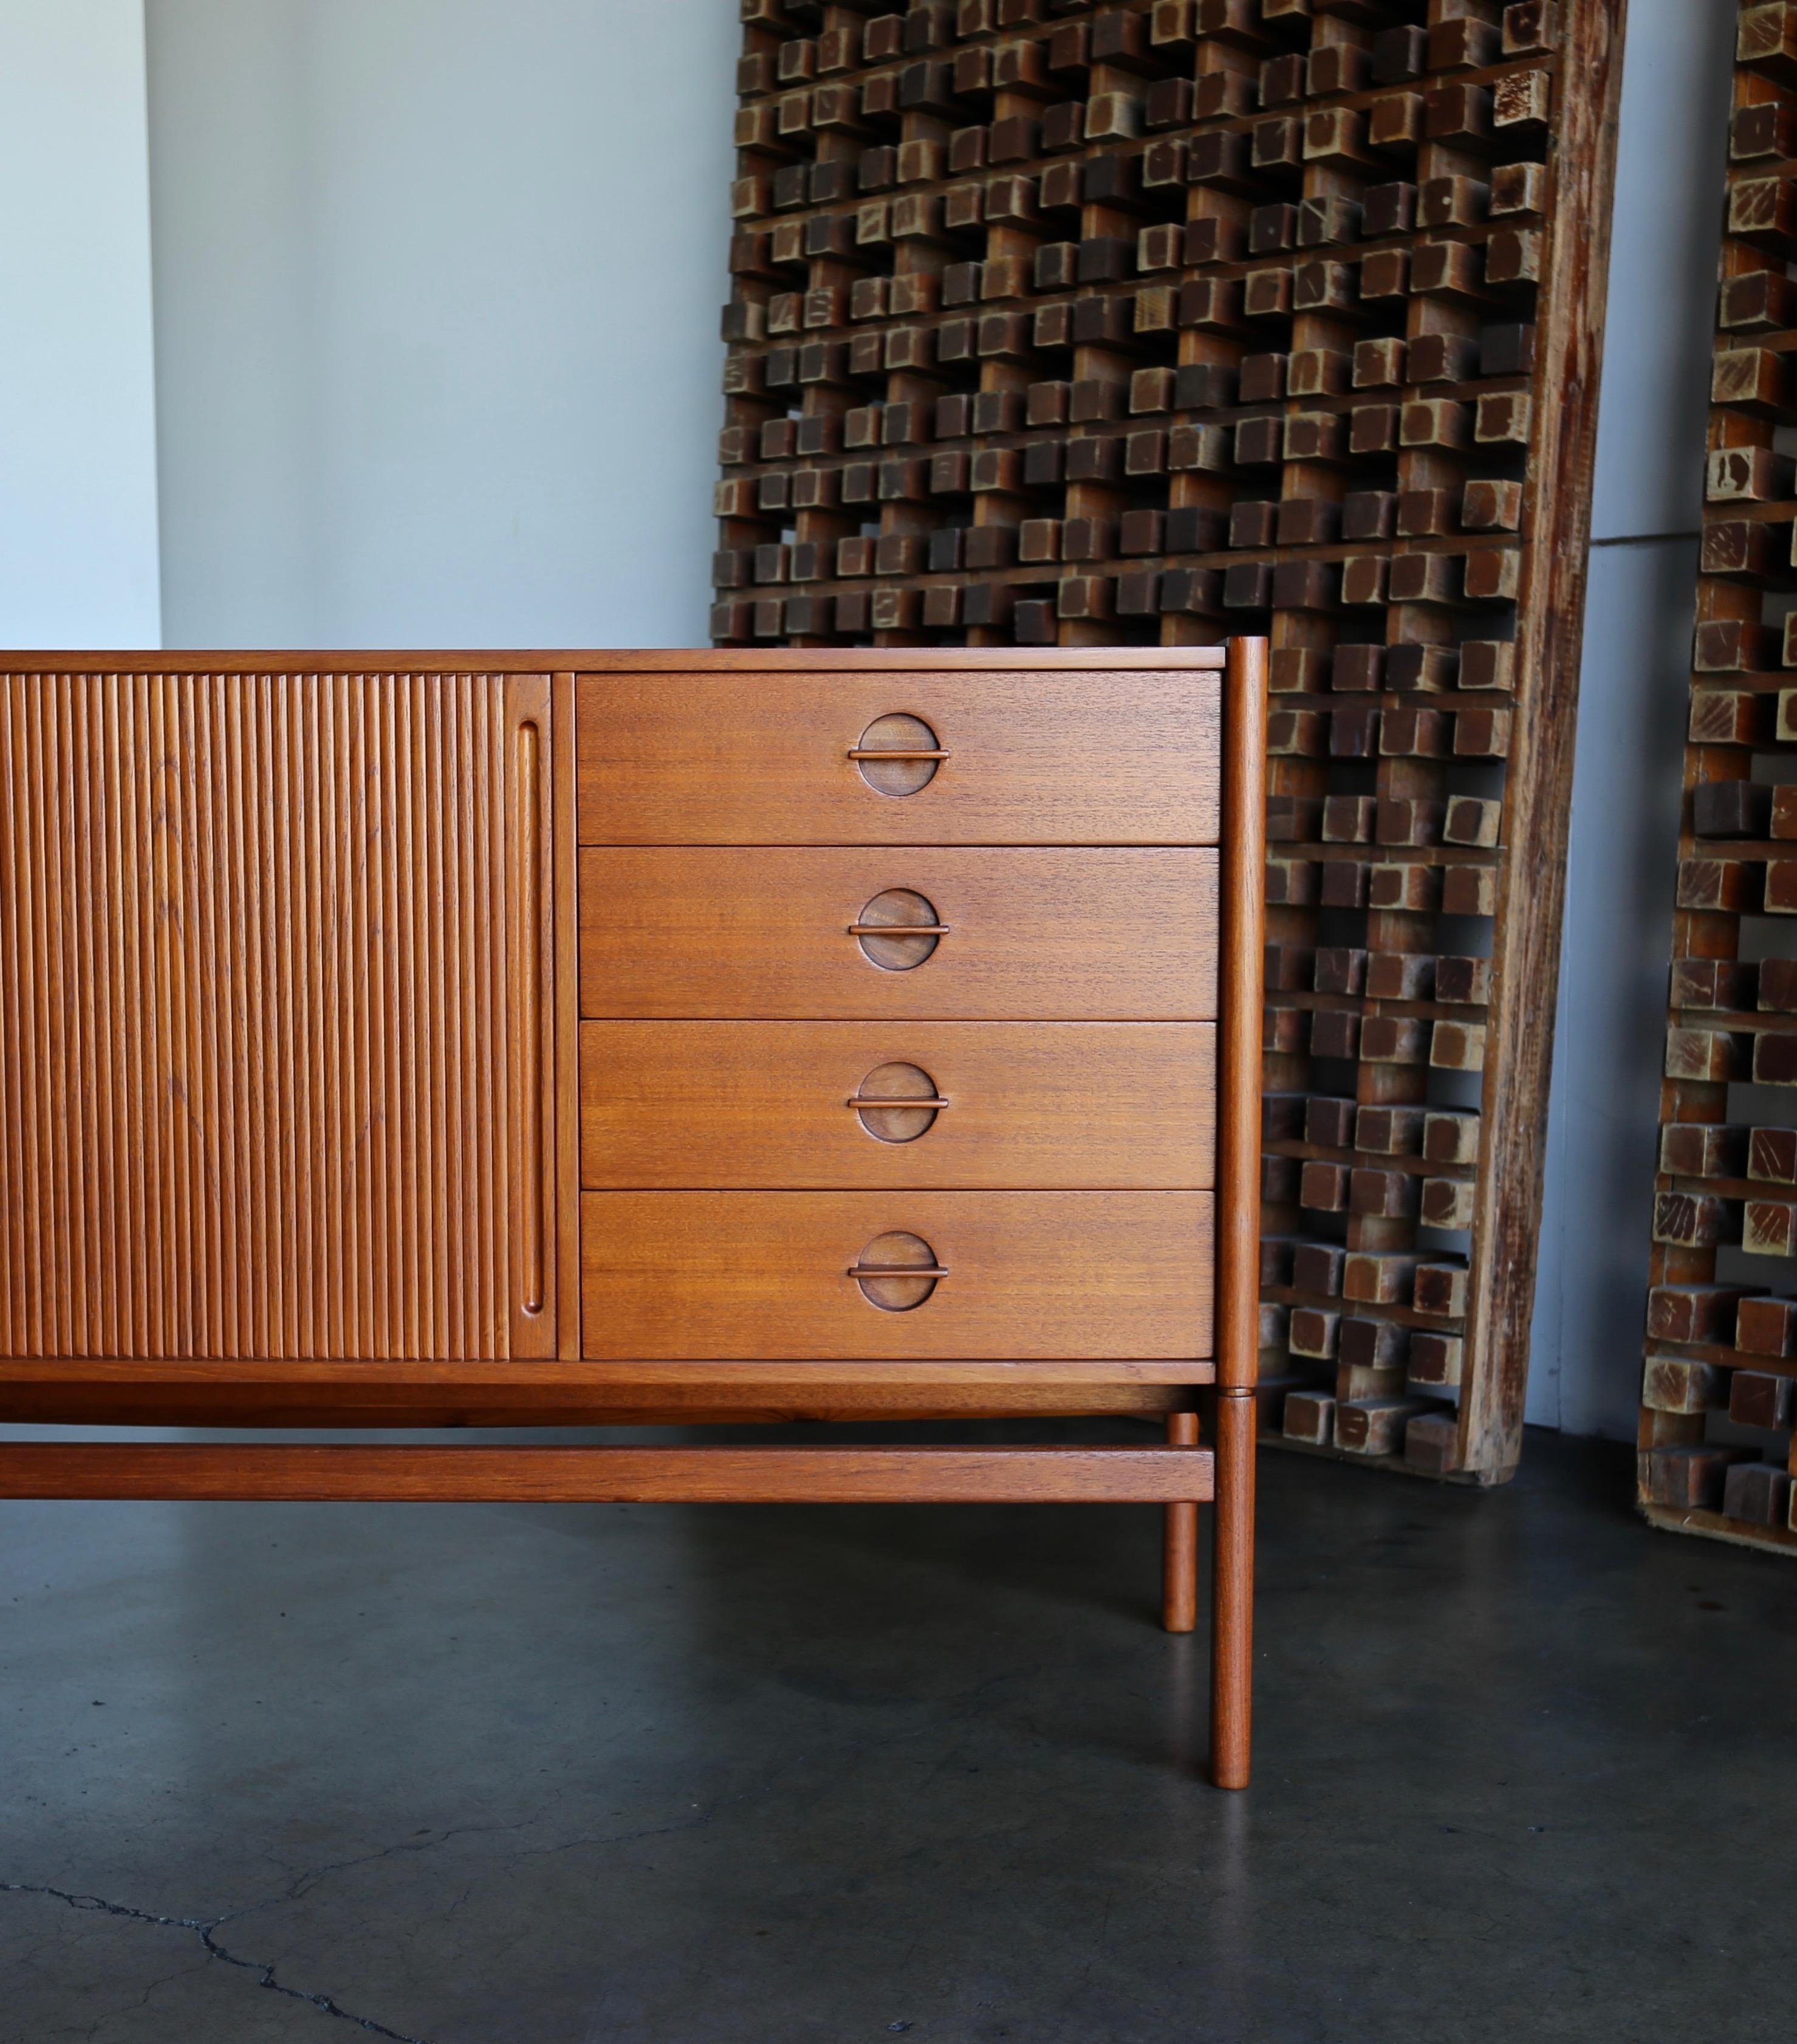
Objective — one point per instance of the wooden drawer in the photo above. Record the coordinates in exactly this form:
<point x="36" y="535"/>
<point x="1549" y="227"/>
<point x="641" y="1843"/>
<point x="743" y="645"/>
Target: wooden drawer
<point x="1032" y="758"/>
<point x="1030" y="1105"/>
<point x="748" y="1277"/>
<point x="1066" y="936"/>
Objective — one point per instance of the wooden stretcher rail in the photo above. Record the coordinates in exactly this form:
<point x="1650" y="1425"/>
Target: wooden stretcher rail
<point x="302" y="1472"/>
<point x="354" y="1376"/>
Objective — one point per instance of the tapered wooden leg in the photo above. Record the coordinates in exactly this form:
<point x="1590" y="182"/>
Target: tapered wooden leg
<point x="1179" y="1564"/>
<point x="1232" y="1608"/>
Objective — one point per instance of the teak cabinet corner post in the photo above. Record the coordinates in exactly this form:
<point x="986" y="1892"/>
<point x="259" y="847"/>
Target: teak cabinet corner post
<point x="1238" y="1234"/>
<point x="586" y="1038"/>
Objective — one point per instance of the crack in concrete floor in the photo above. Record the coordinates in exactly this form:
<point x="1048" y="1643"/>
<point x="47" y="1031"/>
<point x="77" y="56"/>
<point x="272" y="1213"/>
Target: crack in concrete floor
<point x="816" y="1701"/>
<point x="205" y="1929"/>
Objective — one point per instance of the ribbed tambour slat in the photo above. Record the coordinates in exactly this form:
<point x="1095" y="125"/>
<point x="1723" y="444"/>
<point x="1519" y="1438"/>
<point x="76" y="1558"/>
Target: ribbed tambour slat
<point x="253" y="999"/>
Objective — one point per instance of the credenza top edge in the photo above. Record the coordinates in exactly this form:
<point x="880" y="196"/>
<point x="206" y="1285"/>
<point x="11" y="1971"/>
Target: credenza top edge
<point x="390" y="660"/>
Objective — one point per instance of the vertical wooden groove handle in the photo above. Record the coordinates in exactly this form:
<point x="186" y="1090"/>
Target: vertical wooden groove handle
<point x="528" y="742"/>
<point x="529" y="900"/>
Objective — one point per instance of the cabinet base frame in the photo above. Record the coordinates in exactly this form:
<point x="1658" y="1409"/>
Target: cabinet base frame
<point x="290" y="1472"/>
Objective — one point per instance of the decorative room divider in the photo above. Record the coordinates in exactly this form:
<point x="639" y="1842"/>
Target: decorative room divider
<point x="1716" y="1446"/>
<point x="1142" y="324"/>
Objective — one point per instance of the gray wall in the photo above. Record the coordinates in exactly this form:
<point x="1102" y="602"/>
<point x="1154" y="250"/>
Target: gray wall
<point x="1585" y="1352"/>
<point x="77" y="447"/>
<point x="437" y="286"/>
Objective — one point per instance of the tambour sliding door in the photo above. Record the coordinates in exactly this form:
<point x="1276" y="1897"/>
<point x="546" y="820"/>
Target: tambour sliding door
<point x="278" y="1042"/>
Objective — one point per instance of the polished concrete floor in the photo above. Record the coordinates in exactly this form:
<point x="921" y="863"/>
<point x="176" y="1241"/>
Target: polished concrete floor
<point x="643" y="1775"/>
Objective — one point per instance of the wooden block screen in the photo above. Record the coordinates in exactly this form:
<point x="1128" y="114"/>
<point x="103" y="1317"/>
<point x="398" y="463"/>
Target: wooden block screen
<point x="1716" y="1446"/>
<point x="1142" y="324"/>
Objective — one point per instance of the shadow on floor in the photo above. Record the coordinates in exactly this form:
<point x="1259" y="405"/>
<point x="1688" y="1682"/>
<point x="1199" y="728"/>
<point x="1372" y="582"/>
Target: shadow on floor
<point x="728" y="1775"/>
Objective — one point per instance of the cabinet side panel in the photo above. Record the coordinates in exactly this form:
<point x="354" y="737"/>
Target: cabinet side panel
<point x="251" y="1096"/>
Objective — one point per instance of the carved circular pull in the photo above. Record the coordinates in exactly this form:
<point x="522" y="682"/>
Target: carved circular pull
<point x="899" y="910"/>
<point x="879" y="1103"/>
<point x="898" y="754"/>
<point x="897" y="1272"/>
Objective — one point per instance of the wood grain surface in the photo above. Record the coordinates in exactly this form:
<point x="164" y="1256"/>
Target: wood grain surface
<point x="276" y="1060"/>
<point x="595" y="1394"/>
<point x="1238" y="1109"/>
<point x="1034" y="934"/>
<point x="764" y="1274"/>
<point x="526" y="916"/>
<point x="567" y="1009"/>
<point x="302" y="1473"/>
<point x="770" y="1403"/>
<point x="601" y="1394"/>
<point x="1030" y="1105"/>
<point x="585" y="659"/>
<point x="1032" y="758"/>
<point x="1518" y="1052"/>
<point x="346" y="1377"/>
<point x="1232" y="1610"/>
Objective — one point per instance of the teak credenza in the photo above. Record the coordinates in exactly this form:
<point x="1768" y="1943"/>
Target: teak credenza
<point x="577" y="1039"/>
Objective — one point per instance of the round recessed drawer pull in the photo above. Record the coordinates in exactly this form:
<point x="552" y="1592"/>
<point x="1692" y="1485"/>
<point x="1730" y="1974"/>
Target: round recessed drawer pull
<point x="898" y="930"/>
<point x="897" y="1103"/>
<point x="896" y="1271"/>
<point x="897" y="755"/>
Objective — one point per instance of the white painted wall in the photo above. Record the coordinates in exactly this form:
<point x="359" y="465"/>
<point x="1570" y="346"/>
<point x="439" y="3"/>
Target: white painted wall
<point x="1585" y="1362"/>
<point x="78" y="449"/>
<point x="437" y="292"/>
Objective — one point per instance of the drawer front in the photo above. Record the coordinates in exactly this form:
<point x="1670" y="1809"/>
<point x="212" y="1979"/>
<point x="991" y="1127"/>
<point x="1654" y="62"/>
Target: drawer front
<point x="1065" y="936"/>
<point x="1031" y="758"/>
<point x="1026" y="1277"/>
<point x="766" y="1104"/>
